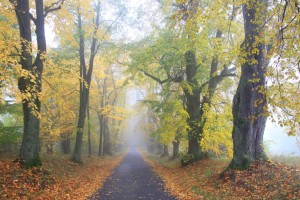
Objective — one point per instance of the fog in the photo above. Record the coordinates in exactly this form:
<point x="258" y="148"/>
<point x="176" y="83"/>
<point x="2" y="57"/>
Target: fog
<point x="276" y="140"/>
<point x="134" y="133"/>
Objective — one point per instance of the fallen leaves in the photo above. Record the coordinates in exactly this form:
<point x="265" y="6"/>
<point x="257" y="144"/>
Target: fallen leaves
<point x="58" y="178"/>
<point x="202" y="180"/>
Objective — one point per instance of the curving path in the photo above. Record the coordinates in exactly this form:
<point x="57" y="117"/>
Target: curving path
<point x="132" y="179"/>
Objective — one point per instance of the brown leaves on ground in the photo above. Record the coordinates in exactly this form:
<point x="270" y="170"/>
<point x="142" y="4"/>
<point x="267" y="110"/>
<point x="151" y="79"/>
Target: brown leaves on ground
<point x="58" y="178"/>
<point x="265" y="179"/>
<point x="202" y="180"/>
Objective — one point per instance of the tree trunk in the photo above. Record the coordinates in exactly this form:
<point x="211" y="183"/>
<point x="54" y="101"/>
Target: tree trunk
<point x="165" y="151"/>
<point x="100" y="150"/>
<point x="86" y="76"/>
<point x="49" y="148"/>
<point x="79" y="135"/>
<point x="176" y="145"/>
<point x="159" y="149"/>
<point x="193" y="106"/>
<point x="89" y="129"/>
<point x="249" y="103"/>
<point x="107" y="142"/>
<point x="29" y="151"/>
<point x="101" y="117"/>
<point x="84" y="92"/>
<point x="66" y="145"/>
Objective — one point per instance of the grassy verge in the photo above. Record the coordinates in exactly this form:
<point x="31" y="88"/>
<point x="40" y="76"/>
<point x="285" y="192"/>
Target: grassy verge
<point x="58" y="178"/>
<point x="202" y="180"/>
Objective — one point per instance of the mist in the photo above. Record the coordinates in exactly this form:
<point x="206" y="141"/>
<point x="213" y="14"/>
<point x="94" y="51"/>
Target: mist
<point x="277" y="141"/>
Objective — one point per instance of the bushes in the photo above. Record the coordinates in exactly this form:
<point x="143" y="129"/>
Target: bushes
<point x="10" y="138"/>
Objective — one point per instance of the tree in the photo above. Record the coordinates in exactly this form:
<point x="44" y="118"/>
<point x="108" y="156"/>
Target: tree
<point x="107" y="108"/>
<point x="85" y="74"/>
<point x="202" y="57"/>
<point x="30" y="85"/>
<point x="250" y="103"/>
<point x="201" y="84"/>
<point x="255" y="100"/>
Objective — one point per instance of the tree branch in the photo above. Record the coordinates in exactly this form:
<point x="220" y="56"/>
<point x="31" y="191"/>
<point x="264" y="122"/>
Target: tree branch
<point x="226" y="72"/>
<point x="32" y="18"/>
<point x="53" y="7"/>
<point x="106" y="32"/>
<point x="155" y="78"/>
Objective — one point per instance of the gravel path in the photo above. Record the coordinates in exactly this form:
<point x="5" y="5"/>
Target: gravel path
<point x="132" y="179"/>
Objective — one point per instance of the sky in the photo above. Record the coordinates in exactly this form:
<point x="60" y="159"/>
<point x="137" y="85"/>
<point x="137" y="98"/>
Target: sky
<point x="279" y="142"/>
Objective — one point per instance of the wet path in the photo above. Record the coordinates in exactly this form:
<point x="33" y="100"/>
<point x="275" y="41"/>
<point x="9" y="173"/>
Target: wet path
<point x="132" y="179"/>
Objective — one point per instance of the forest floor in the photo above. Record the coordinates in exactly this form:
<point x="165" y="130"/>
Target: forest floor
<point x="58" y="178"/>
<point x="202" y="180"/>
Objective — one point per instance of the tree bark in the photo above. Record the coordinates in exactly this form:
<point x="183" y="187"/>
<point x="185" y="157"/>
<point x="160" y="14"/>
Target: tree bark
<point x="84" y="92"/>
<point x="249" y="103"/>
<point x="86" y="75"/>
<point x="29" y="151"/>
<point x="89" y="129"/>
<point x="101" y="117"/>
<point x="66" y="145"/>
<point x="193" y="106"/>
<point x="107" y="142"/>
<point x="176" y="145"/>
<point x="100" y="150"/>
<point x="165" y="151"/>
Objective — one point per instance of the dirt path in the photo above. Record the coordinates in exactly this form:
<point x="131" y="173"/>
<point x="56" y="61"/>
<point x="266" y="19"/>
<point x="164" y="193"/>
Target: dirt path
<point x="132" y="179"/>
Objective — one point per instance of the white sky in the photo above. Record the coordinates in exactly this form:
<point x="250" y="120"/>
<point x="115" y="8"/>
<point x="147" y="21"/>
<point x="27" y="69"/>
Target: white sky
<point x="279" y="142"/>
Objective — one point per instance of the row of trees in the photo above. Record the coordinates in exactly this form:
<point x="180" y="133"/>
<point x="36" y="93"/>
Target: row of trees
<point x="195" y="58"/>
<point x="187" y="65"/>
<point x="66" y="73"/>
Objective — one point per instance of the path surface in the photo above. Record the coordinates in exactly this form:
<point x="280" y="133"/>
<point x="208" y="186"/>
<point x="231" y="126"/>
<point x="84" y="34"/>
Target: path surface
<point x="132" y="179"/>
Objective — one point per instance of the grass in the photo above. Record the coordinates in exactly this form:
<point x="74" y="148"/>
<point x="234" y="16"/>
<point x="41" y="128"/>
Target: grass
<point x="290" y="160"/>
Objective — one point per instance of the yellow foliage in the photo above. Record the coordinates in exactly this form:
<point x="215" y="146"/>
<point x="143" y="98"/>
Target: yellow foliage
<point x="218" y="129"/>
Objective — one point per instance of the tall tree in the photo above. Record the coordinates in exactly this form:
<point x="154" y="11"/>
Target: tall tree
<point x="107" y="109"/>
<point x="250" y="103"/>
<point x="254" y="101"/>
<point x="201" y="84"/>
<point x="200" y="41"/>
<point x="85" y="74"/>
<point x="31" y="84"/>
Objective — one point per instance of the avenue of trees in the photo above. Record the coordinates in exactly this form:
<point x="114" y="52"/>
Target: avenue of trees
<point x="211" y="74"/>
